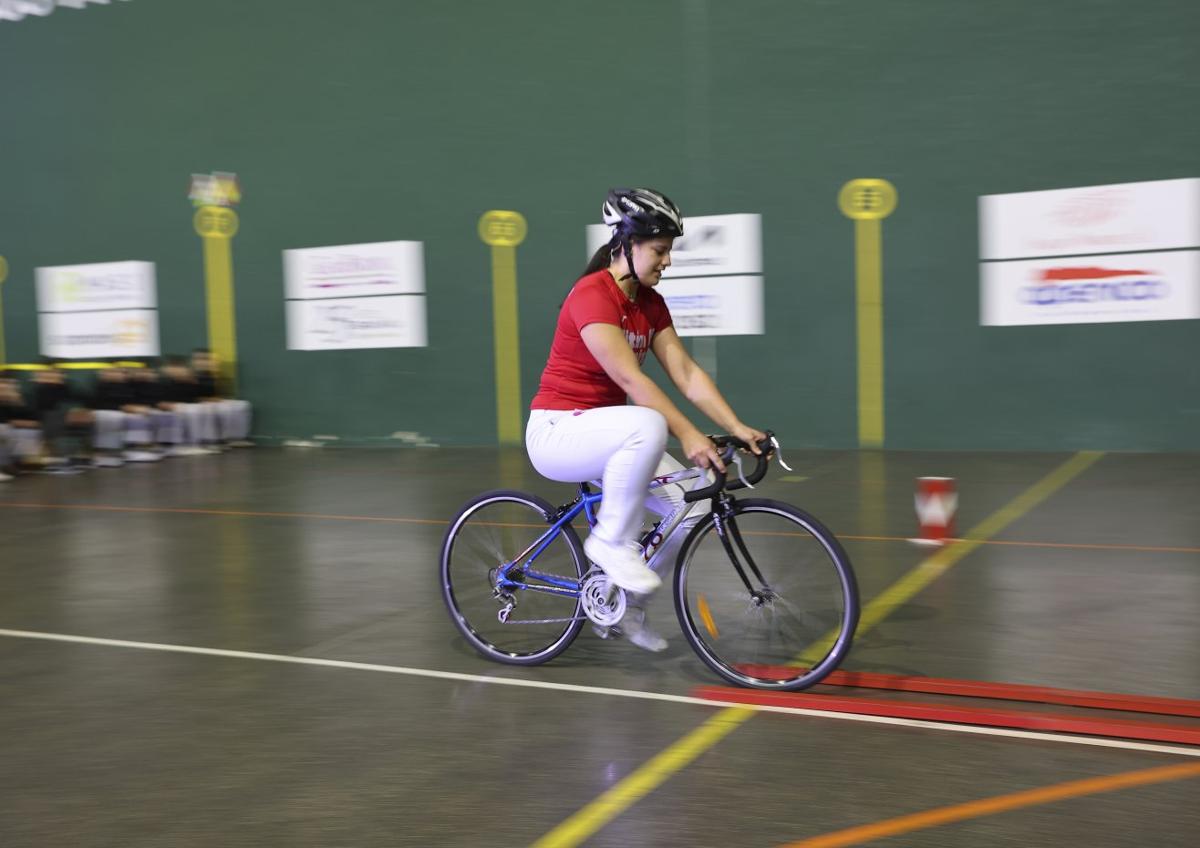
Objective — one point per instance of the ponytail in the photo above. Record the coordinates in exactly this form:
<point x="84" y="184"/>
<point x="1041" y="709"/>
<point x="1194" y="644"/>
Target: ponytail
<point x="602" y="258"/>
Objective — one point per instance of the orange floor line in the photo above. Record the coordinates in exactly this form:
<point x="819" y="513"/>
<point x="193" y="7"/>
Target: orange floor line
<point x="999" y="804"/>
<point x="400" y="520"/>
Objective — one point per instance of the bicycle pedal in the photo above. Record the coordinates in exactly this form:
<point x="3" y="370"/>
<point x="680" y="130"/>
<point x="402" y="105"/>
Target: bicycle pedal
<point x="606" y="632"/>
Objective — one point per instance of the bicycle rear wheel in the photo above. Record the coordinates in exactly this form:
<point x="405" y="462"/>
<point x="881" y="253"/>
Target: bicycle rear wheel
<point x="488" y="533"/>
<point x="787" y="618"/>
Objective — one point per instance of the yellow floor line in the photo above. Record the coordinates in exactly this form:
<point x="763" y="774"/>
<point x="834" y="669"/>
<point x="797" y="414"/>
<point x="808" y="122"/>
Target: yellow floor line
<point x="1000" y="804"/>
<point x="935" y="566"/>
<point x="645" y="780"/>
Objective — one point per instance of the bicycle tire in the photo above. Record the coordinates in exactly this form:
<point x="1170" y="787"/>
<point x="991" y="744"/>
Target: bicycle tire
<point x="515" y="520"/>
<point x="815" y="596"/>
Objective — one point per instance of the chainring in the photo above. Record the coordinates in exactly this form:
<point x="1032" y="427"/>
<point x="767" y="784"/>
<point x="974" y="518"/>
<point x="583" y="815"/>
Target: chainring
<point x="603" y="603"/>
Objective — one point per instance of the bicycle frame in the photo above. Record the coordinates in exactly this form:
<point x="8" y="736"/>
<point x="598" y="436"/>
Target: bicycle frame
<point x="651" y="544"/>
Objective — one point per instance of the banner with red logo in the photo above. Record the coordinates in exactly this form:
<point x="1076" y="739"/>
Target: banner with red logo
<point x="1088" y="290"/>
<point x="1125" y="252"/>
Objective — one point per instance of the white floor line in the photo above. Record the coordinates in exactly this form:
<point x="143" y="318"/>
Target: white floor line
<point x="601" y="690"/>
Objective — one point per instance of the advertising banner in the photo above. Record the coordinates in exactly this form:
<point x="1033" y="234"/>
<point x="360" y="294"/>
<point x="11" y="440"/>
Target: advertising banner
<point x="1103" y="236"/>
<point x="1122" y="218"/>
<point x="116" y="333"/>
<point x="1122" y="287"/>
<point x="356" y="323"/>
<point x="714" y="286"/>
<point x="86" y="288"/>
<point x="354" y="270"/>
<point x="711" y="244"/>
<point x="356" y="296"/>
<point x="715" y="306"/>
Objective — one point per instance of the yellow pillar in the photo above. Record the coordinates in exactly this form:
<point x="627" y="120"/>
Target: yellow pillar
<point x="503" y="231"/>
<point x="217" y="225"/>
<point x="868" y="202"/>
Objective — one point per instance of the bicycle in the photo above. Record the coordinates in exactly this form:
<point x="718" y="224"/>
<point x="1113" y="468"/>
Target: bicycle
<point x="519" y="588"/>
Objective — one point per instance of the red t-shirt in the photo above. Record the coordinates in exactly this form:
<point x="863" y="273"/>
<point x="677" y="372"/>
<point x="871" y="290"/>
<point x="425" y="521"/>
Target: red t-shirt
<point x="573" y="379"/>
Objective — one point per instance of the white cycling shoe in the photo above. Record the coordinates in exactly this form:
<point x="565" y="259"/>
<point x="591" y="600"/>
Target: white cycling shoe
<point x="633" y="627"/>
<point x="623" y="564"/>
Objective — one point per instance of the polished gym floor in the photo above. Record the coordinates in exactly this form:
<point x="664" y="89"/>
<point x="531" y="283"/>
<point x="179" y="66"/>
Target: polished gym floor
<point x="251" y="649"/>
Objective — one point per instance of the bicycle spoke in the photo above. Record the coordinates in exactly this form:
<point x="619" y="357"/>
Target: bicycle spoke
<point x="769" y="636"/>
<point x="518" y="622"/>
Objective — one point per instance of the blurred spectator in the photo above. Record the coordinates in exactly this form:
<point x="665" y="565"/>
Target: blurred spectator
<point x="181" y="394"/>
<point x="58" y="409"/>
<point x="233" y="415"/>
<point x="166" y="428"/>
<point x="20" y="434"/>
<point x="122" y="426"/>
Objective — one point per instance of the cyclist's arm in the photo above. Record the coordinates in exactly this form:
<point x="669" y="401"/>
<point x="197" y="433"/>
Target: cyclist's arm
<point x="698" y="387"/>
<point x="608" y="345"/>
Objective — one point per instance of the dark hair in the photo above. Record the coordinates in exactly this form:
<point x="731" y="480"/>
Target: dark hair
<point x="602" y="258"/>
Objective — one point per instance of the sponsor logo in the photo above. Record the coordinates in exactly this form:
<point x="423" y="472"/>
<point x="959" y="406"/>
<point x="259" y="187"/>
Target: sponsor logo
<point x="73" y="287"/>
<point x="640" y="344"/>
<point x="339" y="323"/>
<point x="1055" y="286"/>
<point x="1092" y="208"/>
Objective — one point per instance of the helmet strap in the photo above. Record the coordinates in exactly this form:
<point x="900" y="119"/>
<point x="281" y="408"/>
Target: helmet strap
<point x="626" y="243"/>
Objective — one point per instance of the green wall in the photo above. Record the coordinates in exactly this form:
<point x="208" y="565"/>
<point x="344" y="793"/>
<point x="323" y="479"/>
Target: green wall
<point x="377" y="120"/>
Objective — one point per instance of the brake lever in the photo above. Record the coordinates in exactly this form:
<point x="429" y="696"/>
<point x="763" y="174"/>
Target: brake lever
<point x="779" y="453"/>
<point x="737" y="460"/>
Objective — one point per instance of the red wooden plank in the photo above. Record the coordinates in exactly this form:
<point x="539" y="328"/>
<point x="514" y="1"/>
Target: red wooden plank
<point x="983" y="717"/>
<point x="994" y="691"/>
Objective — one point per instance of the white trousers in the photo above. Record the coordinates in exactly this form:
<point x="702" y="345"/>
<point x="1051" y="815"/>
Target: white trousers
<point x="199" y="422"/>
<point x="621" y="446"/>
<point x="234" y="418"/>
<point x="19" y="443"/>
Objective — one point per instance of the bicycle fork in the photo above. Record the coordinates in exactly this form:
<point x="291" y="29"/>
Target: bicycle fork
<point x="731" y="537"/>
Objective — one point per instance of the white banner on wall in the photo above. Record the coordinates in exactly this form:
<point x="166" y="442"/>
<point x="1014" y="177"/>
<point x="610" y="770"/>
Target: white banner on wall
<point x="714" y="286"/>
<point x="1106" y="231"/>
<point x="354" y="270"/>
<point x="356" y="296"/>
<point x="711" y="244"/>
<point x="105" y="285"/>
<point x="356" y="323"/>
<point x="715" y="306"/>
<point x="1123" y="287"/>
<point x="118" y="333"/>
<point x="1123" y="218"/>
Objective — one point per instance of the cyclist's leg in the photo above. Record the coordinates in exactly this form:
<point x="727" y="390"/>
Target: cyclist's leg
<point x="664" y="500"/>
<point x="622" y="446"/>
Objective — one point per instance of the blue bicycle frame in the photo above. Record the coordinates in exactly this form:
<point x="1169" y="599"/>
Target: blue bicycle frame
<point x="555" y="585"/>
<point x="586" y="503"/>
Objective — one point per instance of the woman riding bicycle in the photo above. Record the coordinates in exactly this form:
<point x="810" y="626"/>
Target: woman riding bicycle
<point x="581" y="426"/>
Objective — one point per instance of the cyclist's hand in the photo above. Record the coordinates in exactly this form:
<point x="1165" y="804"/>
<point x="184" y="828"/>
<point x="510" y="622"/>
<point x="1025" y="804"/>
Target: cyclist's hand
<point x="701" y="451"/>
<point x="750" y="436"/>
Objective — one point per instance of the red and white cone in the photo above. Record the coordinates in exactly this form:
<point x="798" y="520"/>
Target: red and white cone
<point x="937" y="501"/>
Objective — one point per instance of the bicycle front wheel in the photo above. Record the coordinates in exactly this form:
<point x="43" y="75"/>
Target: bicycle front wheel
<point x="522" y="622"/>
<point x="767" y="599"/>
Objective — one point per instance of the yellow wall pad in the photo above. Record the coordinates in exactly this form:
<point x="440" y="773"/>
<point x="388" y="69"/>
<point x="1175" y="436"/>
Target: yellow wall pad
<point x="867" y="202"/>
<point x="503" y="230"/>
<point x="1000" y="804"/>
<point x="645" y="780"/>
<point x="216" y="226"/>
